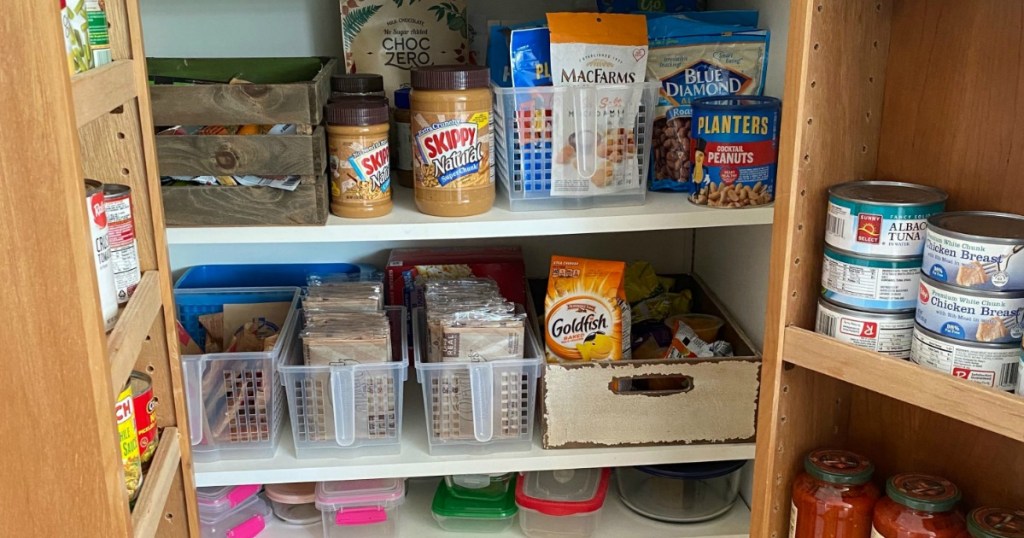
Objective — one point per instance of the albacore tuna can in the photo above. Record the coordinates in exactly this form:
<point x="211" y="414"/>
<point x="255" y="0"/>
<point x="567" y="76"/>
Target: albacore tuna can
<point x="976" y="249"/>
<point x="123" y="248"/>
<point x="993" y="365"/>
<point x="881" y="218"/>
<point x="734" y="150"/>
<point x="869" y="282"/>
<point x="971" y="315"/>
<point x="96" y="209"/>
<point x="883" y="332"/>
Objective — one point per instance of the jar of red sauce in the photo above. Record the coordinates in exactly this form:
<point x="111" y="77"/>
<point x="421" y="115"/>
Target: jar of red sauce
<point x="995" y="523"/>
<point x="918" y="506"/>
<point x="834" y="497"/>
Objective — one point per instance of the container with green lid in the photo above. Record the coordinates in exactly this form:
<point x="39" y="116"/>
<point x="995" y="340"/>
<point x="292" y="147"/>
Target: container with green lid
<point x="839" y="467"/>
<point x="996" y="523"/>
<point x="475" y="514"/>
<point x="923" y="492"/>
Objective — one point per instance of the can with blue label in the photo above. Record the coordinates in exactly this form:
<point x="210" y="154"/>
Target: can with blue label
<point x="970" y="315"/>
<point x="870" y="282"/>
<point x="881" y="218"/>
<point x="734" y="148"/>
<point x="978" y="250"/>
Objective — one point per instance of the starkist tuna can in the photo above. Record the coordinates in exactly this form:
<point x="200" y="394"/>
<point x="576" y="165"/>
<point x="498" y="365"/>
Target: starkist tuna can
<point x="881" y="218"/>
<point x="970" y="315"/>
<point x="734" y="149"/>
<point x="976" y="249"/>
<point x="869" y="283"/>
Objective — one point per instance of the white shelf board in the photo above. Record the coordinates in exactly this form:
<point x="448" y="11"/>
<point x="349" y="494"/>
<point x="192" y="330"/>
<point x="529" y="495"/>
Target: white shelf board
<point x="416" y="461"/>
<point x="615" y="521"/>
<point x="663" y="211"/>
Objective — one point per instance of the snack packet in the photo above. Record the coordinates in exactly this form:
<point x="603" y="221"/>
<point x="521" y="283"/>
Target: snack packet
<point x="586" y="316"/>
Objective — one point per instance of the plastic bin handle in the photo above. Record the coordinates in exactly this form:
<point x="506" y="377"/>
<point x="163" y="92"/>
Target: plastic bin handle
<point x="193" y="370"/>
<point x="248" y="529"/>
<point x="361" y="516"/>
<point x="343" y="394"/>
<point x="585" y="104"/>
<point x="481" y="384"/>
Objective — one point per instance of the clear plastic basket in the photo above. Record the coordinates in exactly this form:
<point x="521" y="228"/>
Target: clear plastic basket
<point x="235" y="400"/>
<point x="531" y="126"/>
<point x="478" y="407"/>
<point x="349" y="410"/>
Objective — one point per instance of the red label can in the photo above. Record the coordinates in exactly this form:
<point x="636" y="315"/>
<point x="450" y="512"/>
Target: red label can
<point x="123" y="247"/>
<point x="145" y="413"/>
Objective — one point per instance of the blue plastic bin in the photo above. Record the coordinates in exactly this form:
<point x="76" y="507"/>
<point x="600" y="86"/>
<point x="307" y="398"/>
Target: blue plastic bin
<point x="259" y="275"/>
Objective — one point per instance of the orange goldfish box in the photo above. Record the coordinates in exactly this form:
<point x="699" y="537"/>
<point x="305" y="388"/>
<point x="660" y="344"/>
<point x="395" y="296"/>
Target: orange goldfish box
<point x="636" y="402"/>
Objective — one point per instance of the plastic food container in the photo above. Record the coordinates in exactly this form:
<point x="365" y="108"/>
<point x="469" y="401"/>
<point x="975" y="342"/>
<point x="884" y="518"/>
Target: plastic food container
<point x="473" y="515"/>
<point x="705" y="325"/>
<point x="561" y="503"/>
<point x="235" y="511"/>
<point x="478" y="486"/>
<point x="294" y="503"/>
<point x="357" y="508"/>
<point x="684" y="493"/>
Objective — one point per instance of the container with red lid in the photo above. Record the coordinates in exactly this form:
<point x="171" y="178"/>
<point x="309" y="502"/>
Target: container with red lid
<point x="357" y="508"/>
<point x="995" y="523"/>
<point x="918" y="506"/>
<point x="294" y="503"/>
<point x="561" y="503"/>
<point x="235" y="511"/>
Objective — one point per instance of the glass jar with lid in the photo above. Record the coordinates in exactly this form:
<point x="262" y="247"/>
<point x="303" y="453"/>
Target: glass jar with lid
<point x="991" y="522"/>
<point x="918" y="506"/>
<point x="834" y="496"/>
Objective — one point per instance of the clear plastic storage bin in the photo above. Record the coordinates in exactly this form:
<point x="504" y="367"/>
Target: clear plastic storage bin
<point x="681" y="493"/>
<point x="360" y="508"/>
<point x="479" y="486"/>
<point x="235" y="400"/>
<point x="349" y="409"/>
<point x="470" y="514"/>
<point x="532" y="125"/>
<point x="561" y="504"/>
<point x="478" y="407"/>
<point x="294" y="503"/>
<point x="231" y="511"/>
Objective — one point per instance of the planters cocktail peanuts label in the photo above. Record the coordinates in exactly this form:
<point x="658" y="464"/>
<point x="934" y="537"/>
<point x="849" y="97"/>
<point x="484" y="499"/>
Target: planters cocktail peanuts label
<point x="734" y="149"/>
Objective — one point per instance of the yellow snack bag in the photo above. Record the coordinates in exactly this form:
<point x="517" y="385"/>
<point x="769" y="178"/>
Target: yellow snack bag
<point x="586" y="314"/>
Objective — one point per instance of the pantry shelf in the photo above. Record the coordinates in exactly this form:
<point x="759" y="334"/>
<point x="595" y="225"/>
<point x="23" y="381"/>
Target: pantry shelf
<point x="416" y="461"/>
<point x="149" y="509"/>
<point x="100" y="90"/>
<point x="133" y="325"/>
<point x="963" y="400"/>
<point x="663" y="211"/>
<point x="616" y="520"/>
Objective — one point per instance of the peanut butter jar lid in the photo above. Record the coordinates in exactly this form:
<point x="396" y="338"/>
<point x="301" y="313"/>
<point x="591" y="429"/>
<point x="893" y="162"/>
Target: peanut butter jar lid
<point x="357" y="111"/>
<point x="357" y="83"/>
<point x="450" y="77"/>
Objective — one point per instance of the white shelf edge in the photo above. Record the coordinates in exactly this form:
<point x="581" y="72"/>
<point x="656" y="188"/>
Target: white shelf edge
<point x="663" y="211"/>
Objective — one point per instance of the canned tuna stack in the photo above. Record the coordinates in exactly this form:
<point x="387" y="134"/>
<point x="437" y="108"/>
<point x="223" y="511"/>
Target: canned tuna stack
<point x="971" y="301"/>
<point x="874" y="238"/>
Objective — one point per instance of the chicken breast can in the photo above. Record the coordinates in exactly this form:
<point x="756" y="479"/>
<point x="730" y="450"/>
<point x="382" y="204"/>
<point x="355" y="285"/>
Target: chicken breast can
<point x="969" y="315"/>
<point x="978" y="250"/>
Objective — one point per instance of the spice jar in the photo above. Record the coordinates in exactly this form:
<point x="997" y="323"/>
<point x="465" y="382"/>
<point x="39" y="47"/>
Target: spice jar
<point x="918" y="506"/>
<point x="451" y="127"/>
<point x="995" y="523"/>
<point x="834" y="497"/>
<point x="357" y="85"/>
<point x="357" y="141"/>
<point x="402" y="163"/>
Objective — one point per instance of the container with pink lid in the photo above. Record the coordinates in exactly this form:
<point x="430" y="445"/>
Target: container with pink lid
<point x="232" y="511"/>
<point x="358" y="508"/>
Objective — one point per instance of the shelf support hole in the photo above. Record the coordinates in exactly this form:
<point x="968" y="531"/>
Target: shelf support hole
<point x="125" y="171"/>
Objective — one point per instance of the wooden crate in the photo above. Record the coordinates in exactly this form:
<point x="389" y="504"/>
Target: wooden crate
<point x="710" y="400"/>
<point x="271" y="98"/>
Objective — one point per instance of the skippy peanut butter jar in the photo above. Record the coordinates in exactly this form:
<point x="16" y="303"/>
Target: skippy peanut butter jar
<point x="586" y="315"/>
<point x="452" y="142"/>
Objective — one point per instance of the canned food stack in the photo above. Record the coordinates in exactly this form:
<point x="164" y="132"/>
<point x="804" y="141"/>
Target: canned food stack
<point x="971" y="298"/>
<point x="874" y="241"/>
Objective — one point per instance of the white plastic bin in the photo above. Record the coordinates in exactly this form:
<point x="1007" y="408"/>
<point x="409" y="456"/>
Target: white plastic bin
<point x="360" y="508"/>
<point x="235" y="400"/>
<point x="231" y="511"/>
<point x="349" y="409"/>
<point x="531" y="126"/>
<point x="478" y="407"/>
<point x="561" y="504"/>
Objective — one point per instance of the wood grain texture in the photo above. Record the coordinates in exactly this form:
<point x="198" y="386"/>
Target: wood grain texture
<point x="175" y="520"/>
<point x="246" y="206"/>
<point x="56" y="350"/>
<point x="121" y="38"/>
<point x="953" y="101"/>
<point x="103" y="89"/>
<point x="133" y="326"/>
<point x="152" y="359"/>
<point x="149" y="508"/>
<point x="232" y="104"/>
<point x="321" y="89"/>
<point x="264" y="155"/>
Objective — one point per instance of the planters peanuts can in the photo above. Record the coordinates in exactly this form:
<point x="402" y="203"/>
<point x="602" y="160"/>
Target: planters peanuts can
<point x="734" y="148"/>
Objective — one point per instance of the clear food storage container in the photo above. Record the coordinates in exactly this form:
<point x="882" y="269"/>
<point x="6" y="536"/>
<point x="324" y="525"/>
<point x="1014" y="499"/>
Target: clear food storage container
<point x="235" y="401"/>
<point x="231" y="511"/>
<point x="563" y="503"/>
<point x="683" y="493"/>
<point x="478" y="407"/>
<point x="358" y="508"/>
<point x="473" y="515"/>
<point x="479" y="486"/>
<point x="349" y="409"/>
<point x="294" y="503"/>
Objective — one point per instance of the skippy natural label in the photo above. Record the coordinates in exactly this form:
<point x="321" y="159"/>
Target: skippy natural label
<point x="372" y="165"/>
<point x="993" y="365"/>
<point x="974" y="316"/>
<point x="586" y="315"/>
<point x="881" y="218"/>
<point x="453" y="148"/>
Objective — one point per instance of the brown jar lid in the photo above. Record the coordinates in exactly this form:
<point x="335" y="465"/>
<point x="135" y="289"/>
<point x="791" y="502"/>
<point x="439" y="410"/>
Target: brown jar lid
<point x="357" y="111"/>
<point x="357" y="83"/>
<point x="450" y="77"/>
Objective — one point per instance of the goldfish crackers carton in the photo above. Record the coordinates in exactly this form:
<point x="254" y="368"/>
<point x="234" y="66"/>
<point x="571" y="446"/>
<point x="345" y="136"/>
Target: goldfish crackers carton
<point x="586" y="315"/>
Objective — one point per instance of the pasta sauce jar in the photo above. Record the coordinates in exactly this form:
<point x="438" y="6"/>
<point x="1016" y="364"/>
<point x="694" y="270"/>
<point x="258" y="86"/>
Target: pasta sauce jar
<point x="834" y="497"/>
<point x="918" y="506"/>
<point x="995" y="523"/>
<point x="452" y="142"/>
<point x="357" y="141"/>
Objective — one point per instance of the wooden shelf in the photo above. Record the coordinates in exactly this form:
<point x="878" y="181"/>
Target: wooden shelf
<point x="133" y="325"/>
<point x="100" y="90"/>
<point x="963" y="400"/>
<point x="149" y="508"/>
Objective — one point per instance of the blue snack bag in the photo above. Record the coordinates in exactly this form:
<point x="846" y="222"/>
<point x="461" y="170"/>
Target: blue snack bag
<point x="497" y="55"/>
<point x="531" y="57"/>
